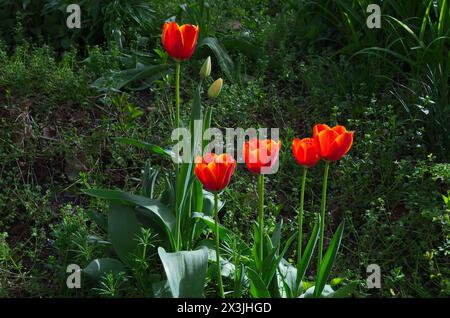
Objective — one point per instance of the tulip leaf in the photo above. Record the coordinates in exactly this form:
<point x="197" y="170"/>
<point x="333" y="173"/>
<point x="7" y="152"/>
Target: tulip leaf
<point x="185" y="271"/>
<point x="308" y="253"/>
<point x="123" y="229"/>
<point x="257" y="287"/>
<point x="155" y="206"/>
<point x="328" y="260"/>
<point x="310" y="292"/>
<point x="272" y="260"/>
<point x="345" y="291"/>
<point x="224" y="60"/>
<point x="119" y="79"/>
<point x="101" y="266"/>
<point x="147" y="146"/>
<point x="149" y="178"/>
<point x="208" y="203"/>
<point x="241" y="45"/>
<point x="161" y="289"/>
<point x="288" y="277"/>
<point x="227" y="268"/>
<point x="223" y="232"/>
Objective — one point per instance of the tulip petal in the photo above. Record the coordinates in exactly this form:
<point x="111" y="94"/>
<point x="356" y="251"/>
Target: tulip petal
<point x="339" y="129"/>
<point x="189" y="34"/>
<point x="172" y="39"/>
<point x="320" y="127"/>
<point x="341" y="146"/>
<point x="323" y="141"/>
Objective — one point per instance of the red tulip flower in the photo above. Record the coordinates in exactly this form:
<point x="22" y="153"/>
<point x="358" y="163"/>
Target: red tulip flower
<point x="215" y="171"/>
<point x="261" y="155"/>
<point x="179" y="41"/>
<point x="332" y="143"/>
<point x="305" y="152"/>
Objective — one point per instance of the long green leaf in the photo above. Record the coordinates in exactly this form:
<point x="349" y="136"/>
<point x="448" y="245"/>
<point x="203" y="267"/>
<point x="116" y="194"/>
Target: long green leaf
<point x="156" y="207"/>
<point x="123" y="230"/>
<point x="101" y="266"/>
<point x="147" y="146"/>
<point x="308" y="253"/>
<point x="328" y="260"/>
<point x="225" y="61"/>
<point x="185" y="271"/>
<point x="257" y="287"/>
<point x="118" y="80"/>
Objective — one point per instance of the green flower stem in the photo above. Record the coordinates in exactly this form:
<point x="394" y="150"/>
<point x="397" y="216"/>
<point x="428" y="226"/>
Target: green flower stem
<point x="261" y="215"/>
<point x="322" y="211"/>
<point x="177" y="171"/>
<point x="216" y="227"/>
<point x="177" y="95"/>
<point x="300" y="218"/>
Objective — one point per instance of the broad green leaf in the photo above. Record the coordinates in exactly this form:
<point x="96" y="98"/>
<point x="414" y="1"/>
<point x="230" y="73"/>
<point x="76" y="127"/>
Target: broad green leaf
<point x="154" y="206"/>
<point x="287" y="276"/>
<point x="308" y="253"/>
<point x="149" y="178"/>
<point x="207" y="124"/>
<point x="271" y="262"/>
<point x="208" y="203"/>
<point x="345" y="291"/>
<point x="185" y="271"/>
<point x="227" y="268"/>
<point x="146" y="146"/>
<point x="241" y="45"/>
<point x="276" y="235"/>
<point x="310" y="292"/>
<point x="100" y="266"/>
<point x="257" y="287"/>
<point x="123" y="229"/>
<point x="328" y="260"/>
<point x="223" y="232"/>
<point x="197" y="196"/>
<point x="225" y="61"/>
<point x="118" y="80"/>
<point x="100" y="219"/>
<point x="161" y="289"/>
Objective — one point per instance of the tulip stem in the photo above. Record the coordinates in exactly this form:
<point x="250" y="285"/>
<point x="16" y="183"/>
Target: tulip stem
<point x="322" y="211"/>
<point x="216" y="227"/>
<point x="261" y="216"/>
<point x="177" y="95"/>
<point x="300" y="219"/>
<point x="177" y="172"/>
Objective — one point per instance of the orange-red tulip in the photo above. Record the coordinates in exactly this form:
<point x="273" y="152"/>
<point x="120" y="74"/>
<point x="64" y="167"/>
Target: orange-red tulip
<point x="261" y="155"/>
<point x="179" y="41"/>
<point x="215" y="171"/>
<point x="305" y="152"/>
<point x="332" y="143"/>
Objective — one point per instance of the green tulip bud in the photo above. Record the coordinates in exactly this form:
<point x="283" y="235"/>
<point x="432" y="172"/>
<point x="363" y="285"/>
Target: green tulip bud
<point x="215" y="88"/>
<point x="205" y="71"/>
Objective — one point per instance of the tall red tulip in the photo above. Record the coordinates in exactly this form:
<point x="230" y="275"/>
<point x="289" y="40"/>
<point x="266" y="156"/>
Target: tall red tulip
<point x="215" y="171"/>
<point x="332" y="143"/>
<point x="261" y="155"/>
<point x="305" y="152"/>
<point x="179" y="41"/>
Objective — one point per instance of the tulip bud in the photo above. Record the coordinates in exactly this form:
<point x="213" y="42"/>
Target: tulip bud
<point x="215" y="88"/>
<point x="205" y="71"/>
